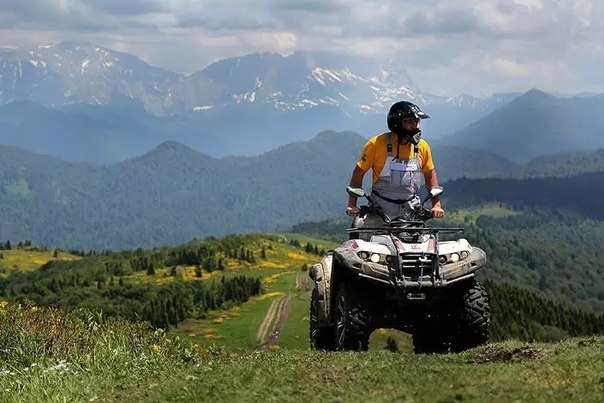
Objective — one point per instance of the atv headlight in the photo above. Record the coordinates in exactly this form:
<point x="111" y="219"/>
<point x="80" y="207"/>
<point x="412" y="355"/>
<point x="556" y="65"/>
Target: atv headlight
<point x="453" y="257"/>
<point x="374" y="257"/>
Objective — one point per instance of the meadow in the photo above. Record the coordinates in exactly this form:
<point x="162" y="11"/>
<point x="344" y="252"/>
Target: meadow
<point x="258" y="350"/>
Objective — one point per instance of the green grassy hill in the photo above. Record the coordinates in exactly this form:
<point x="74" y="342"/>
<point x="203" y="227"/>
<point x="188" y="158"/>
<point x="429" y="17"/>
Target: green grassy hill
<point x="252" y="291"/>
<point x="226" y="344"/>
<point x="49" y="355"/>
<point x="174" y="193"/>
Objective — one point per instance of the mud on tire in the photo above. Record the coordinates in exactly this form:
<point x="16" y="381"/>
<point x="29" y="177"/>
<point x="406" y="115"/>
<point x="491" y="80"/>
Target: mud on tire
<point x="321" y="338"/>
<point x="352" y="318"/>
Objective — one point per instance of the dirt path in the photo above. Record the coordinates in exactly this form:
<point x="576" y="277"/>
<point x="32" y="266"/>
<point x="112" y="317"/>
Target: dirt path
<point x="277" y="315"/>
<point x="268" y="319"/>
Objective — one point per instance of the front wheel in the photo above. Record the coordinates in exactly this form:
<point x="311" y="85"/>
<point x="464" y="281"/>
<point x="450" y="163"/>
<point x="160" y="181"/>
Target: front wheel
<point x="474" y="318"/>
<point x="352" y="319"/>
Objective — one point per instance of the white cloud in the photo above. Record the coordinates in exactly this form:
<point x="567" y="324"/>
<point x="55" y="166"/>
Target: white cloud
<point x="473" y="46"/>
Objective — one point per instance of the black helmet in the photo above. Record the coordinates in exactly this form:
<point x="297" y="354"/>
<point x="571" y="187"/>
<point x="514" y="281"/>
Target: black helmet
<point x="405" y="110"/>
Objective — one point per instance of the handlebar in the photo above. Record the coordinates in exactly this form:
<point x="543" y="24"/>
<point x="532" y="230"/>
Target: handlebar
<point x="418" y="214"/>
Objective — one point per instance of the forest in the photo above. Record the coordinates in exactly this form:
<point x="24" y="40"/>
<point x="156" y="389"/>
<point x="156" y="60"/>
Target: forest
<point x="530" y="300"/>
<point x="104" y="281"/>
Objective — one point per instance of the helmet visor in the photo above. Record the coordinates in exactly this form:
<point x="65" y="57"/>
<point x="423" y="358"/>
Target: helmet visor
<point x="418" y="112"/>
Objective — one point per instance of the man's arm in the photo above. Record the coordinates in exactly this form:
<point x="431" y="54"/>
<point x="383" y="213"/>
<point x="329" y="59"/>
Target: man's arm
<point x="356" y="180"/>
<point x="431" y="181"/>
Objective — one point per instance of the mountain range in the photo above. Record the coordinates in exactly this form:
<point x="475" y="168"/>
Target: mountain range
<point x="101" y="150"/>
<point x="536" y="124"/>
<point x="71" y="73"/>
<point x="104" y="99"/>
<point x="85" y="103"/>
<point x="174" y="193"/>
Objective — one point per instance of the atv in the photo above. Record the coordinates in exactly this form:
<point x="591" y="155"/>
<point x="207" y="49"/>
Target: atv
<point x="399" y="274"/>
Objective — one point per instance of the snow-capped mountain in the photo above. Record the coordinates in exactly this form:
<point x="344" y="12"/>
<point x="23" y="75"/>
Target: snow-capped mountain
<point x="71" y="72"/>
<point x="305" y="80"/>
<point x="93" y="98"/>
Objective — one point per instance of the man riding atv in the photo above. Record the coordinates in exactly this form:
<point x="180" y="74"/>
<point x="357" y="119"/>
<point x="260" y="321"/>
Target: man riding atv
<point x="398" y="159"/>
<point x="395" y="271"/>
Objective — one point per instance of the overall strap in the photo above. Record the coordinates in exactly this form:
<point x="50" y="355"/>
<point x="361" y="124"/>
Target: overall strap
<point x="389" y="146"/>
<point x="389" y="142"/>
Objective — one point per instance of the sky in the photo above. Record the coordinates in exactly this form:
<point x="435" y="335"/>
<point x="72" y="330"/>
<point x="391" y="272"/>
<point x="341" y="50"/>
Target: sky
<point x="475" y="47"/>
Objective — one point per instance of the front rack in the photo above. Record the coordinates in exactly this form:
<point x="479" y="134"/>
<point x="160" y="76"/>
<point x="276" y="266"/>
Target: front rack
<point x="383" y="230"/>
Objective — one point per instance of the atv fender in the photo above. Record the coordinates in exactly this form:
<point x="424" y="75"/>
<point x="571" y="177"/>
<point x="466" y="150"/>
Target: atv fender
<point x="321" y="273"/>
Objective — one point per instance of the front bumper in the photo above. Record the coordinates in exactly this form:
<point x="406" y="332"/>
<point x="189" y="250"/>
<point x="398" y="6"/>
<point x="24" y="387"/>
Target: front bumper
<point x="427" y="273"/>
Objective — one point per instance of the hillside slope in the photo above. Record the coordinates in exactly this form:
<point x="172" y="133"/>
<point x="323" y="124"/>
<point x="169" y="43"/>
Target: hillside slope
<point x="174" y="193"/>
<point x="48" y="354"/>
<point x="536" y="124"/>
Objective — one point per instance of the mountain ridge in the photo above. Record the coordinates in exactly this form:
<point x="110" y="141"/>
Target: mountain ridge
<point x="174" y="193"/>
<point x="273" y="98"/>
<point x="536" y="124"/>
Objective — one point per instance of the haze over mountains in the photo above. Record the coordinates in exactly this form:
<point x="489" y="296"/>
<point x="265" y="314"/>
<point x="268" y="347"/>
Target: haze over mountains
<point x="536" y="124"/>
<point x="274" y="99"/>
<point x="81" y="102"/>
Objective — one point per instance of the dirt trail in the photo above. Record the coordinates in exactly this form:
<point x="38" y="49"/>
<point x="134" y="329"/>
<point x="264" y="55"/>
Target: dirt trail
<point x="268" y="319"/>
<point x="277" y="315"/>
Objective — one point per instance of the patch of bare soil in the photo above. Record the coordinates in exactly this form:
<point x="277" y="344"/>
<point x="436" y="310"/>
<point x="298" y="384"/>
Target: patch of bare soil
<point x="500" y="354"/>
<point x="277" y="315"/>
<point x="262" y="333"/>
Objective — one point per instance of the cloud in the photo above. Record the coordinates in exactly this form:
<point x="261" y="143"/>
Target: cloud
<point x="127" y="8"/>
<point x="473" y="46"/>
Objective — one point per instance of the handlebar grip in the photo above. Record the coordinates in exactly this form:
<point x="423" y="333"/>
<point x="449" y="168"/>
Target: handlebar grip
<point x="427" y="214"/>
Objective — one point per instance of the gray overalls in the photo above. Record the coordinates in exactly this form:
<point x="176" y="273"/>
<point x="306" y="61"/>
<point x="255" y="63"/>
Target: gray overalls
<point x="399" y="181"/>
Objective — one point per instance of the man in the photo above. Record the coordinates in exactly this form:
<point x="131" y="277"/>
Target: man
<point x="398" y="159"/>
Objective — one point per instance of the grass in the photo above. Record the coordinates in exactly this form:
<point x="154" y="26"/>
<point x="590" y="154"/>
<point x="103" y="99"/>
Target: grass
<point x="465" y="216"/>
<point x="501" y="372"/>
<point x="28" y="259"/>
<point x="147" y="368"/>
<point x="51" y="356"/>
<point x="237" y="327"/>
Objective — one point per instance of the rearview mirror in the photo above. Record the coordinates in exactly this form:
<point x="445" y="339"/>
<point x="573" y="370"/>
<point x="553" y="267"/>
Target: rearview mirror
<point x="436" y="191"/>
<point x="357" y="192"/>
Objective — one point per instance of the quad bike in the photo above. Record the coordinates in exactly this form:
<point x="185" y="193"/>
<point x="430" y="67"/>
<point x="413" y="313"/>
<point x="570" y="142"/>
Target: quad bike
<point x="399" y="274"/>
